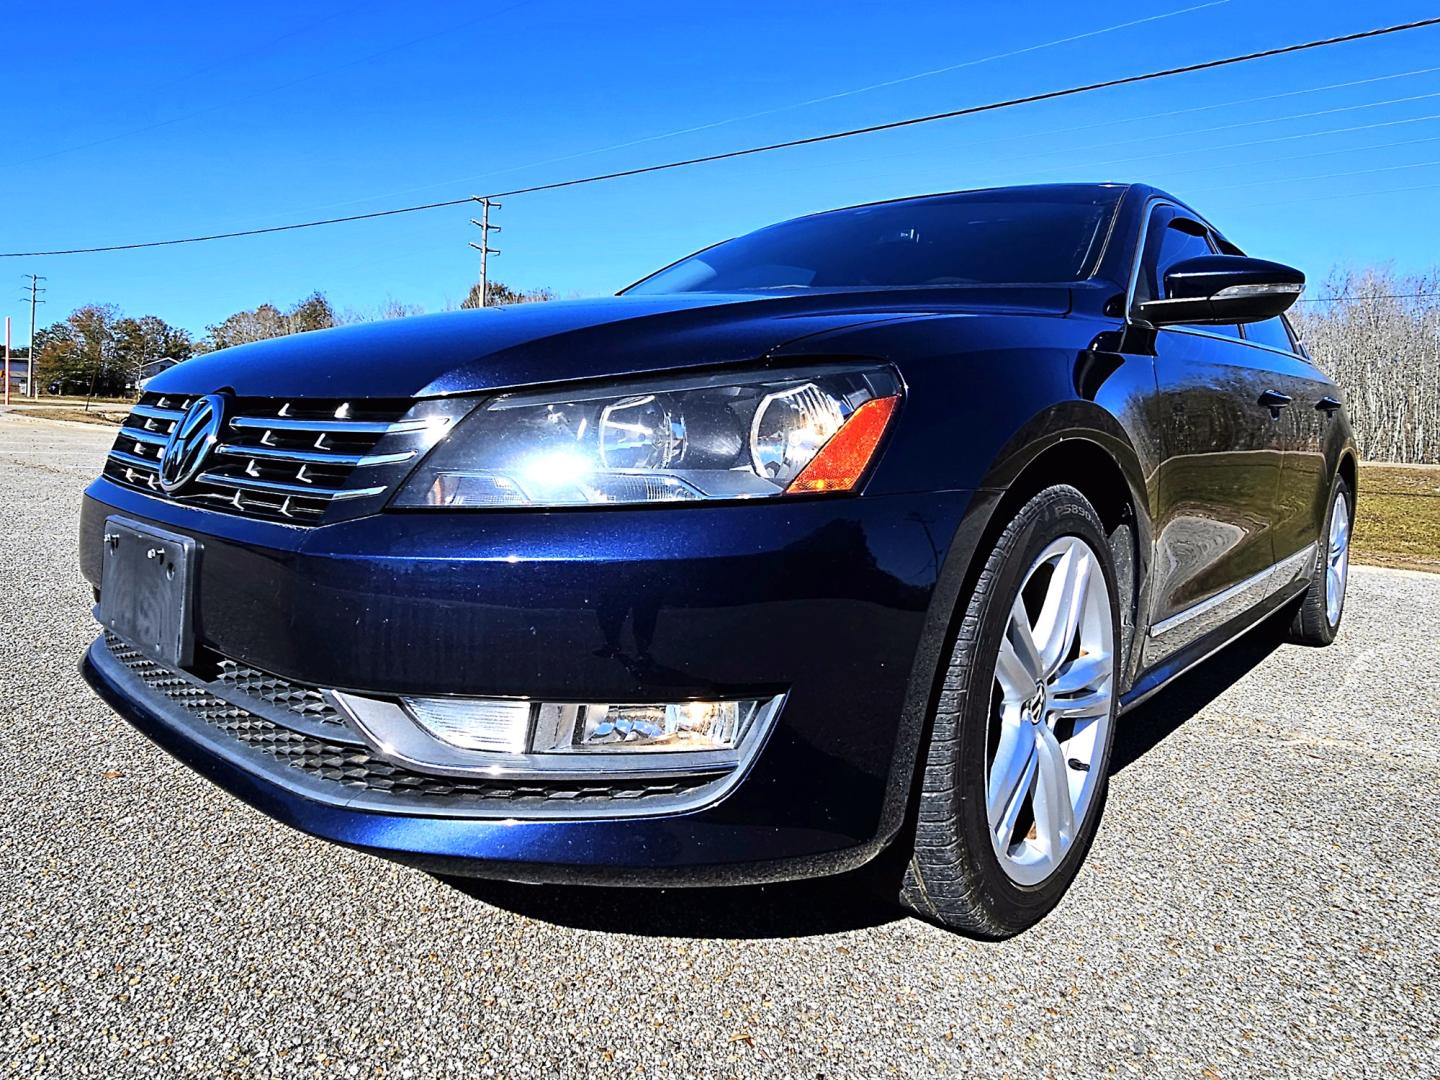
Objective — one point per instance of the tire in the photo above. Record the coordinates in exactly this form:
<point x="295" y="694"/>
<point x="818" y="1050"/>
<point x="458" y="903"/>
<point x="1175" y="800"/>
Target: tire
<point x="959" y="874"/>
<point x="1317" y="618"/>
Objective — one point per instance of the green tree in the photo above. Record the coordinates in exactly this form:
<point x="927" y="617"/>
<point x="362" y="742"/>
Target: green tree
<point x="498" y="294"/>
<point x="79" y="353"/>
<point x="149" y="338"/>
<point x="268" y="321"/>
<point x="58" y="358"/>
<point x="312" y="313"/>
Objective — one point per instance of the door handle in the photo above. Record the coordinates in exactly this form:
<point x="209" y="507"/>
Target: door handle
<point x="1328" y="405"/>
<point x="1275" y="401"/>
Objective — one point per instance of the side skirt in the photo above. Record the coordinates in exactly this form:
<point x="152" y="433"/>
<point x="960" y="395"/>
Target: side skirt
<point x="1157" y="678"/>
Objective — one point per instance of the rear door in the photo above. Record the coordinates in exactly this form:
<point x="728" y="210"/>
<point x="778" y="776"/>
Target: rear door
<point x="1216" y="490"/>
<point x="1304" y="490"/>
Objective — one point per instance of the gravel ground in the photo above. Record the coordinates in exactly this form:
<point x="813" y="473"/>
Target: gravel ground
<point x="1262" y="899"/>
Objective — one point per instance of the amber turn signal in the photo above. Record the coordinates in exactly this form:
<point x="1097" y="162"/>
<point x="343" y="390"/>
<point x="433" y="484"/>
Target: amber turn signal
<point x="844" y="458"/>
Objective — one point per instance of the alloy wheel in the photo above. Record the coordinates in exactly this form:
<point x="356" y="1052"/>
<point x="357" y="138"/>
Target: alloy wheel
<point x="1051" y="708"/>
<point x="1337" y="560"/>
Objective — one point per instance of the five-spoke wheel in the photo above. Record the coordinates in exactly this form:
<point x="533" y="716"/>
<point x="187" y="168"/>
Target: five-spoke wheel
<point x="1053" y="699"/>
<point x="1015" y="772"/>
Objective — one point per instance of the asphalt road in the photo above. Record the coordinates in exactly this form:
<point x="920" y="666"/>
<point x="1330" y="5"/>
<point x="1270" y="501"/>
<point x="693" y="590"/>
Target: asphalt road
<point x="1263" y="898"/>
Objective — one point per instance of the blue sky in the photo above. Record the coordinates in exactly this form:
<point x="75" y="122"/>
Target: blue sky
<point x="168" y="119"/>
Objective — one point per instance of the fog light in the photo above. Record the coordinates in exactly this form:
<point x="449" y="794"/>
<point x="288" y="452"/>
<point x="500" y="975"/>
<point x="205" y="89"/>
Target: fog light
<point x="474" y="723"/>
<point x="690" y="725"/>
<point x="521" y="727"/>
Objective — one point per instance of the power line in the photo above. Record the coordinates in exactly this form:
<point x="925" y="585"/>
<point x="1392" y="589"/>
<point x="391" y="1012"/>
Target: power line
<point x="1269" y="120"/>
<point x="1266" y="142"/>
<point x="1349" y="196"/>
<point x="855" y="91"/>
<point x="794" y="105"/>
<point x="973" y="110"/>
<point x="1332" y="175"/>
<point x="893" y="125"/>
<point x="1113" y="121"/>
<point x="1110" y="122"/>
<point x="242" y="232"/>
<point x="1362" y="296"/>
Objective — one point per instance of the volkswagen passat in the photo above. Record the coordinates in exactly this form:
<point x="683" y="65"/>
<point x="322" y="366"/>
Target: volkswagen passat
<point x="851" y="536"/>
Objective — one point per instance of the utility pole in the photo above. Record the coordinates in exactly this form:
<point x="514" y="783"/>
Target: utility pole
<point x="486" y="205"/>
<point x="35" y="291"/>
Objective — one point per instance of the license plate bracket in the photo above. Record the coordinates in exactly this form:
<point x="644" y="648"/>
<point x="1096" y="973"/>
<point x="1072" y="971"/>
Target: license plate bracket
<point x="146" y="589"/>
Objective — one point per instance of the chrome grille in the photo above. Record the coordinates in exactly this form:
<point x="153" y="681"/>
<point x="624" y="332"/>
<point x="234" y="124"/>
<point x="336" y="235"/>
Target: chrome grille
<point x="284" y="460"/>
<point x="345" y="763"/>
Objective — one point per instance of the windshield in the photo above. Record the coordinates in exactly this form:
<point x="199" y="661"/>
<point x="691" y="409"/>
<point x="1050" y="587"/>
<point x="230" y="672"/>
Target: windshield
<point x="1014" y="236"/>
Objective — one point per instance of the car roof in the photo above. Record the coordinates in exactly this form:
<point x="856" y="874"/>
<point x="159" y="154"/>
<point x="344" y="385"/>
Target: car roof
<point x="1008" y="189"/>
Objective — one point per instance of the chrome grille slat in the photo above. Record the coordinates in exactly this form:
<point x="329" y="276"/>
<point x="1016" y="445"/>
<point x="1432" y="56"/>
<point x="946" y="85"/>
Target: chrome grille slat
<point x="333" y="427"/>
<point x="283" y="460"/>
<point x="154" y="438"/>
<point x="313" y="457"/>
<point x="154" y="412"/>
<point x="134" y="460"/>
<point x="278" y="487"/>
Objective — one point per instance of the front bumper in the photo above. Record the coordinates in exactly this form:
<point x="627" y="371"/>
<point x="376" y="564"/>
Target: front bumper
<point x="839" y="604"/>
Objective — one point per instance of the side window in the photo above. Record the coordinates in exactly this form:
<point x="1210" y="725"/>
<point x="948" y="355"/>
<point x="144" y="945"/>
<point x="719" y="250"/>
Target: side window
<point x="1177" y="241"/>
<point x="1270" y="332"/>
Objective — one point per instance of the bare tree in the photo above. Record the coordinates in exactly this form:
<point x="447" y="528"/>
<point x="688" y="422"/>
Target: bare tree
<point x="1380" y="340"/>
<point x="390" y="309"/>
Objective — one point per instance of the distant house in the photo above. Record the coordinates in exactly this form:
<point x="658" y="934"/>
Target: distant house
<point x="19" y="375"/>
<point x="153" y="368"/>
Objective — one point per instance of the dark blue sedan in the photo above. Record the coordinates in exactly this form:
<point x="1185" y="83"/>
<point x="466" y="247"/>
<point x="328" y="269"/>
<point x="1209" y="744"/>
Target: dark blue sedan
<point x="847" y="538"/>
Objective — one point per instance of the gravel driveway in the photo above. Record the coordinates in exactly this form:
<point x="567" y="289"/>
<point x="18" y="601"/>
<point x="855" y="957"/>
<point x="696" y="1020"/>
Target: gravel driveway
<point x="1263" y="898"/>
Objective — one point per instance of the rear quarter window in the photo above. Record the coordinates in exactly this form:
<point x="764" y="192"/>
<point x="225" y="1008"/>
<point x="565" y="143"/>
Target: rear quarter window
<point x="1271" y="332"/>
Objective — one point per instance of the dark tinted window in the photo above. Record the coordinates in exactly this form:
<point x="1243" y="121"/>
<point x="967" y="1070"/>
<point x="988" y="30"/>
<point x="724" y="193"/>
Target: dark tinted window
<point x="1270" y="332"/>
<point x="1181" y="239"/>
<point x="988" y="237"/>
<point x="1175" y="243"/>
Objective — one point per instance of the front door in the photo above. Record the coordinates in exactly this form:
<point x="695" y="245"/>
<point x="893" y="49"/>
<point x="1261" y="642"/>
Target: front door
<point x="1216" y="489"/>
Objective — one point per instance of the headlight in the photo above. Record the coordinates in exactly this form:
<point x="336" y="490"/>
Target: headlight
<point x="663" y="440"/>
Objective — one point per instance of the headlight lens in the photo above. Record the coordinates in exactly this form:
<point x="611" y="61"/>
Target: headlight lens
<point x="664" y="440"/>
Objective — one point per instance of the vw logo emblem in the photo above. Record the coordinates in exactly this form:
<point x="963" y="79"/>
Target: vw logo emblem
<point x="191" y="440"/>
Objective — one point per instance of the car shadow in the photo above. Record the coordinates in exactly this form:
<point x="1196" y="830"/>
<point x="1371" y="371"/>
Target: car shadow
<point x="850" y="901"/>
<point x="1150" y="724"/>
<point x="737" y="912"/>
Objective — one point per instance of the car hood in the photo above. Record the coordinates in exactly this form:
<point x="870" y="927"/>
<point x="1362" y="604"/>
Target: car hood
<point x="524" y="344"/>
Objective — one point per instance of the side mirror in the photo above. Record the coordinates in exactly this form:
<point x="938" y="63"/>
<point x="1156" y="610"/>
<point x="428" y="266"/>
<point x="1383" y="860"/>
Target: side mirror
<point x="1224" y="289"/>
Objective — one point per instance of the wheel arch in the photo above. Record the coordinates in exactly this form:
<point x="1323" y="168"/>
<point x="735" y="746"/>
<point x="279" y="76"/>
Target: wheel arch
<point x="1103" y="466"/>
<point x="1349" y="470"/>
<point x="1077" y="444"/>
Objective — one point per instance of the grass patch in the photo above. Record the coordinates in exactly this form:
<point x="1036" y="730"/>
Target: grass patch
<point x="97" y="414"/>
<point x="1397" y="521"/>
